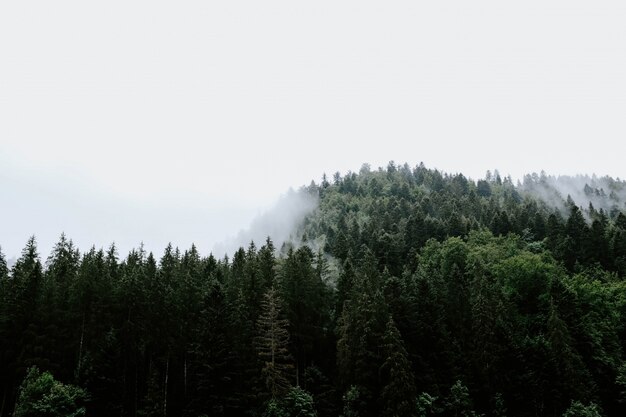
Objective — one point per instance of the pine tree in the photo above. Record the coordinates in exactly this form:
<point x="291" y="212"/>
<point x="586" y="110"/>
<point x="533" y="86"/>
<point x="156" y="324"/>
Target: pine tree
<point x="459" y="402"/>
<point x="361" y="328"/>
<point x="26" y="280"/>
<point x="41" y="395"/>
<point x="5" y="342"/>
<point x="303" y="293"/>
<point x="211" y="366"/>
<point x="577" y="409"/>
<point x="24" y="295"/>
<point x="577" y="232"/>
<point x="62" y="268"/>
<point x="398" y="395"/>
<point x="267" y="264"/>
<point x="132" y="293"/>
<point x="62" y="321"/>
<point x="4" y="271"/>
<point x="272" y="343"/>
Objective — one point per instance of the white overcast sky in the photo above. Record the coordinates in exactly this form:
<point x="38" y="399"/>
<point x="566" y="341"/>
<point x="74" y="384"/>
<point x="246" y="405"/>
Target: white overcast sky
<point x="182" y="120"/>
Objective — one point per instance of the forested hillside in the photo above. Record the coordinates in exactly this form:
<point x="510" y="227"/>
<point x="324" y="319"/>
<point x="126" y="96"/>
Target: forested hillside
<point x="406" y="292"/>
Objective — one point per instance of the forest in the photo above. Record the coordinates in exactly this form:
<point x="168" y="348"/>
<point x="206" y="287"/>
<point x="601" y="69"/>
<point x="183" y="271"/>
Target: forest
<point x="406" y="292"/>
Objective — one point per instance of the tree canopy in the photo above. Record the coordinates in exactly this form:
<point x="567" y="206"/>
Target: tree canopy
<point x="407" y="292"/>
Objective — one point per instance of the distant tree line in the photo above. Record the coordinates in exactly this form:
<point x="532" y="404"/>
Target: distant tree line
<point x="408" y="292"/>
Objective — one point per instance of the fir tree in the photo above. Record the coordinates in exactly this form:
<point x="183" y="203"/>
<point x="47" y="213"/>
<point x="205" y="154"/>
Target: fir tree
<point x="272" y="343"/>
<point x="398" y="395"/>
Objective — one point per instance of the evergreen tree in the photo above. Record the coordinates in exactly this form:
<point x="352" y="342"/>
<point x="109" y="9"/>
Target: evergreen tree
<point x="398" y="395"/>
<point x="4" y="272"/>
<point x="60" y="279"/>
<point x="529" y="319"/>
<point x="577" y="409"/>
<point x="5" y="346"/>
<point x="42" y="396"/>
<point x="272" y="345"/>
<point x="361" y="329"/>
<point x="459" y="402"/>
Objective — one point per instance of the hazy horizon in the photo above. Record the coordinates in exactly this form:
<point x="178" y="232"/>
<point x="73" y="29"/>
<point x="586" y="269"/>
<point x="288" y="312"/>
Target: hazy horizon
<point x="276" y="219"/>
<point x="155" y="122"/>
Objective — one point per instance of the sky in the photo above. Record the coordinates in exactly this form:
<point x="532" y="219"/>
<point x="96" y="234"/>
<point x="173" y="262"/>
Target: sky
<point x="158" y="121"/>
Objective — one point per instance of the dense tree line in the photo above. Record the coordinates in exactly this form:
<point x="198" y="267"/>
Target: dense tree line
<point x="408" y="292"/>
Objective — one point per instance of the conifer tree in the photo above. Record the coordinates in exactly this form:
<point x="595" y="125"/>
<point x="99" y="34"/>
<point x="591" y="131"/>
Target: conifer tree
<point x="211" y="366"/>
<point x="26" y="280"/>
<point x="459" y="402"/>
<point x="188" y="336"/>
<point x="361" y="329"/>
<point x="41" y="395"/>
<point x="4" y="270"/>
<point x="4" y="331"/>
<point x="272" y="343"/>
<point x="398" y="395"/>
<point x="60" y="279"/>
<point x="24" y="329"/>
<point x="267" y="264"/>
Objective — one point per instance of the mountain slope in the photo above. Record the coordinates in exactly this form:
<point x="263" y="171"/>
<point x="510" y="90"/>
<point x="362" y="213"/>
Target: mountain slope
<point x="406" y="291"/>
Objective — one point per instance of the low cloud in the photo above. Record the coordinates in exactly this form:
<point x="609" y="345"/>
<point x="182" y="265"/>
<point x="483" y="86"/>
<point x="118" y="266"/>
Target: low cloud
<point x="281" y="222"/>
<point x="604" y="193"/>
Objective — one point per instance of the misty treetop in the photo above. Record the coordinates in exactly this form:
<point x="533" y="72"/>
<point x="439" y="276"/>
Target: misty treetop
<point x="405" y="292"/>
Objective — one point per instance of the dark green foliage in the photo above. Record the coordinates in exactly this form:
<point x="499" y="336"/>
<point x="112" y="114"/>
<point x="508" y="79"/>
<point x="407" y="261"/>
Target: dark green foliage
<point x="620" y="381"/>
<point x="353" y="403"/>
<point x="42" y="396"/>
<point x="306" y="305"/>
<point x="398" y="395"/>
<point x="578" y="409"/>
<point x="299" y="403"/>
<point x="272" y="343"/>
<point x="361" y="330"/>
<point x="275" y="409"/>
<point x="503" y="304"/>
<point x="426" y="405"/>
<point x="296" y="403"/>
<point x="459" y="403"/>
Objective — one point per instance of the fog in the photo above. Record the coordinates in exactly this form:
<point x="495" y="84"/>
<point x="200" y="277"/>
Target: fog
<point x="281" y="223"/>
<point x="50" y="202"/>
<point x="603" y="193"/>
<point x="158" y="121"/>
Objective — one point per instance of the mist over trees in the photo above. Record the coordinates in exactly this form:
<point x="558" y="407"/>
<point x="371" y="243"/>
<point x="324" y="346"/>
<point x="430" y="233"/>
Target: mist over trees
<point x="603" y="193"/>
<point x="404" y="291"/>
<point x="281" y="222"/>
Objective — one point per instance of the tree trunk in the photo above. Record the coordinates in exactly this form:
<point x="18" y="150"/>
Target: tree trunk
<point x="185" y="378"/>
<point x="4" y="400"/>
<point x="167" y="375"/>
<point x="80" y="348"/>
<point x="298" y="366"/>
<point x="136" y="387"/>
